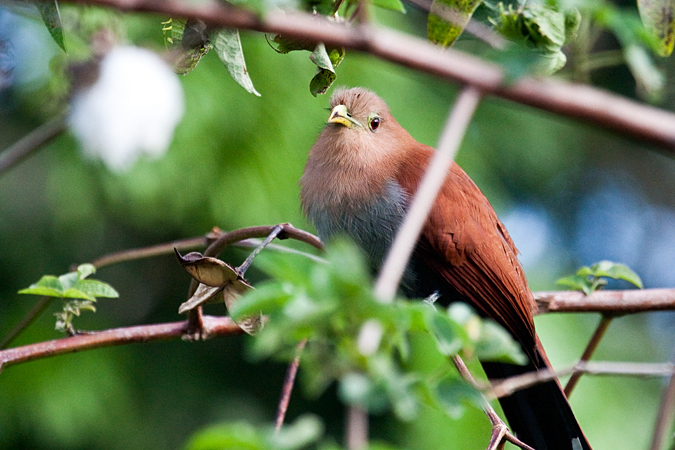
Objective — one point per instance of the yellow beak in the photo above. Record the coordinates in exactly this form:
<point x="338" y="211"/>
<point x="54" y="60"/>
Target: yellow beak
<point x="340" y="115"/>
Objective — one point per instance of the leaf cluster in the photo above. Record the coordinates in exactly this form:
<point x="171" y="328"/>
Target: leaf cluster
<point x="78" y="294"/>
<point x="590" y="279"/>
<point x="360" y="343"/>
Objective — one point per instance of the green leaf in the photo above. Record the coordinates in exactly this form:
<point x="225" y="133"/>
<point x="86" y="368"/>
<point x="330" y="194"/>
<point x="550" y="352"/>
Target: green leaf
<point x="49" y="10"/>
<point x="72" y="285"/>
<point x="393" y="5"/>
<point x="48" y="285"/>
<point x="658" y="17"/>
<point x="189" y="39"/>
<point x="95" y="288"/>
<point x="236" y="436"/>
<point x="448" y="18"/>
<point x="616" y="271"/>
<point x="577" y="283"/>
<point x="589" y="279"/>
<point x="84" y="270"/>
<point x="227" y="45"/>
<point x="326" y="62"/>
<point x="496" y="344"/>
<point x="452" y="394"/>
<point x="541" y="27"/>
<point x="304" y="431"/>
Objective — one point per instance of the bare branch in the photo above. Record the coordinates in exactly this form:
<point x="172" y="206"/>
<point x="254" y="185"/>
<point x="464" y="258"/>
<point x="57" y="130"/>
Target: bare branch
<point x="216" y="326"/>
<point x="500" y="432"/>
<point x="585" y="103"/>
<point x="588" y="352"/>
<point x="32" y="142"/>
<point x="287" y="388"/>
<point x="609" y="302"/>
<point x="434" y="177"/>
<point x="506" y="387"/>
<point x="33" y="314"/>
<point x="356" y="430"/>
<point x="665" y="416"/>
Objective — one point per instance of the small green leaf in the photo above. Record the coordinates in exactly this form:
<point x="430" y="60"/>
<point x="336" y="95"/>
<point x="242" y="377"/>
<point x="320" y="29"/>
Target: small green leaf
<point x="239" y="436"/>
<point x="304" y="431"/>
<point x="326" y="62"/>
<point x="658" y="17"/>
<point x="393" y="5"/>
<point x="454" y="394"/>
<point x="448" y="18"/>
<point x="72" y="285"/>
<point x="227" y="45"/>
<point x="589" y="279"/>
<point x="49" y="10"/>
<point x="616" y="271"/>
<point x="577" y="283"/>
<point x="96" y="288"/>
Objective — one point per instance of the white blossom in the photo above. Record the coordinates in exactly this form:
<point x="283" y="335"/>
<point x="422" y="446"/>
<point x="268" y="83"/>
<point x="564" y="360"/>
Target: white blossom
<point x="131" y="110"/>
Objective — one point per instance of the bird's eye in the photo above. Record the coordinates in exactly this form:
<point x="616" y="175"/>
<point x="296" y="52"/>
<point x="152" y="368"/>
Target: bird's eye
<point x="374" y="123"/>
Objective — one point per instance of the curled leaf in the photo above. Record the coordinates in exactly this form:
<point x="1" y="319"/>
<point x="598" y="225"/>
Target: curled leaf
<point x="219" y="282"/>
<point x="658" y="17"/>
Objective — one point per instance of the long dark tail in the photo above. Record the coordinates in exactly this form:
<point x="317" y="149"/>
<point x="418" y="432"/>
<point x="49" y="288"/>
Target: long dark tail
<point x="540" y="415"/>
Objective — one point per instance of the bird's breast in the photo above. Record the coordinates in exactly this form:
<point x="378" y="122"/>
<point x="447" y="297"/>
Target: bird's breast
<point x="372" y="223"/>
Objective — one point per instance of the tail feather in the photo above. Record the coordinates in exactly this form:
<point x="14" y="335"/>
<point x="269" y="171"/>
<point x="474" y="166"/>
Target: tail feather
<point x="539" y="415"/>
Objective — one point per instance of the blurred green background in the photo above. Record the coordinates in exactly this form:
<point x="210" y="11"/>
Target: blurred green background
<point x="569" y="194"/>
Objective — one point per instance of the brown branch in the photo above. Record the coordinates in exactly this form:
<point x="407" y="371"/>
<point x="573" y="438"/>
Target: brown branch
<point x="32" y="142"/>
<point x="507" y="386"/>
<point x="35" y="312"/>
<point x="665" y="416"/>
<point x="500" y="432"/>
<point x="287" y="388"/>
<point x="610" y="302"/>
<point x="216" y="326"/>
<point x="588" y="352"/>
<point x="585" y="103"/>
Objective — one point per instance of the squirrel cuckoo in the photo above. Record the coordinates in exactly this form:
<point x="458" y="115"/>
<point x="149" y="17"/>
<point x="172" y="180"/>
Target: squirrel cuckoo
<point x="359" y="180"/>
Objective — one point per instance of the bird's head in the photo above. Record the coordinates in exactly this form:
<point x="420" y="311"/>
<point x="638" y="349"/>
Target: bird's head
<point x="358" y="109"/>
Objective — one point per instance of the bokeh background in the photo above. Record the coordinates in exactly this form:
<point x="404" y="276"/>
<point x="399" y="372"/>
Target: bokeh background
<point x="570" y="195"/>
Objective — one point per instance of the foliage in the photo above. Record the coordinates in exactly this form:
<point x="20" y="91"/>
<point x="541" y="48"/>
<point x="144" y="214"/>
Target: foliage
<point x="78" y="294"/>
<point x="590" y="279"/>
<point x="361" y="343"/>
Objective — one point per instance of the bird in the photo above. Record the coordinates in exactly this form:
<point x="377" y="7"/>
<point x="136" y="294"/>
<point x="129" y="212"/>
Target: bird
<point x="359" y="179"/>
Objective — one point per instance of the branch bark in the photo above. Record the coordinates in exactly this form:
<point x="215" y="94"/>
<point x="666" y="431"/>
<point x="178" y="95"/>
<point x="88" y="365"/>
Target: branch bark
<point x="584" y="103"/>
<point x="215" y="326"/>
<point x="609" y="302"/>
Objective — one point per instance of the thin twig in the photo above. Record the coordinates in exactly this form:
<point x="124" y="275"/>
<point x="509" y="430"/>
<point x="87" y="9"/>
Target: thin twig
<point x="31" y="142"/>
<point x="665" y="415"/>
<point x="588" y="352"/>
<point x="507" y="386"/>
<point x="270" y="237"/>
<point x="357" y="428"/>
<point x="500" y="431"/>
<point x="584" y="103"/>
<point x="152" y="251"/>
<point x="217" y="326"/>
<point x="406" y="237"/>
<point x="33" y="314"/>
<point x="287" y="389"/>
